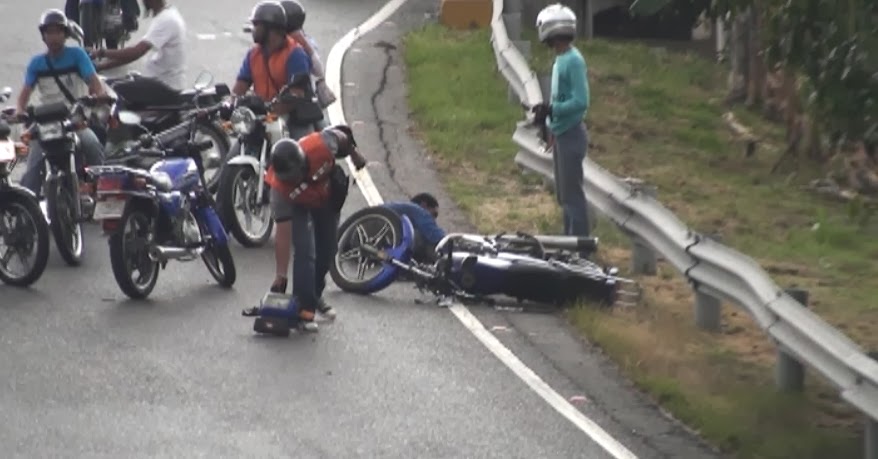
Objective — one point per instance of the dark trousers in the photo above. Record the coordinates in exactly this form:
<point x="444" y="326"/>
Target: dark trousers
<point x="314" y="247"/>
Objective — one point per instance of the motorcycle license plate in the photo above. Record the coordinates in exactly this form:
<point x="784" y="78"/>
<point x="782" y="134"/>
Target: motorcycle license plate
<point x="109" y="208"/>
<point x="7" y="151"/>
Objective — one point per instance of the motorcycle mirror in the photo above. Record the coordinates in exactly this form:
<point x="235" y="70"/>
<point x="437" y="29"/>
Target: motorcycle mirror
<point x="204" y="80"/>
<point x="6" y="93"/>
<point x="129" y="118"/>
<point x="248" y="28"/>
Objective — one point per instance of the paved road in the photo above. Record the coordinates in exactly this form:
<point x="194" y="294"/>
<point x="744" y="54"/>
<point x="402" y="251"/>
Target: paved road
<point x="88" y="373"/>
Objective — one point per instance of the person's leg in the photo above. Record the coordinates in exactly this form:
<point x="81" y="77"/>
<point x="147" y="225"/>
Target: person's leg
<point x="71" y="10"/>
<point x="32" y="178"/>
<point x="304" y="281"/>
<point x="325" y="222"/>
<point x="92" y="150"/>
<point x="571" y="147"/>
<point x="282" y="213"/>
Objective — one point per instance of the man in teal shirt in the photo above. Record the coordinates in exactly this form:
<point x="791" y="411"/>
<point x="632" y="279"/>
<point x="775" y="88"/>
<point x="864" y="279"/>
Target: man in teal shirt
<point x="564" y="113"/>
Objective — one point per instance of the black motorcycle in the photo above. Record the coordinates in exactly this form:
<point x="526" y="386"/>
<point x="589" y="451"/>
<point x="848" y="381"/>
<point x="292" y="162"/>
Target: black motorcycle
<point x="23" y="229"/>
<point x="161" y="108"/>
<point x="55" y="127"/>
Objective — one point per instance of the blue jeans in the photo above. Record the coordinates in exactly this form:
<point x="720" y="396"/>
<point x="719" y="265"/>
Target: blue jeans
<point x="569" y="152"/>
<point x="89" y="146"/>
<point x="314" y="246"/>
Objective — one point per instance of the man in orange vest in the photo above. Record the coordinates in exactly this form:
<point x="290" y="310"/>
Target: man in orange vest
<point x="302" y="178"/>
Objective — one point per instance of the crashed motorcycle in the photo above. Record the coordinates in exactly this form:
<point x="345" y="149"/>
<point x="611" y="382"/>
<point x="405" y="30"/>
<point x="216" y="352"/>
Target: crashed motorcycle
<point x="242" y="193"/>
<point x="376" y="245"/>
<point x="55" y="126"/>
<point x="159" y="214"/>
<point x="23" y="229"/>
<point x="161" y="108"/>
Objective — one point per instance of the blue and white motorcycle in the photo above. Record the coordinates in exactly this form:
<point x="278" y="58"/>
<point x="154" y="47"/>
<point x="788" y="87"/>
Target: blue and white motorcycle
<point x="159" y="212"/>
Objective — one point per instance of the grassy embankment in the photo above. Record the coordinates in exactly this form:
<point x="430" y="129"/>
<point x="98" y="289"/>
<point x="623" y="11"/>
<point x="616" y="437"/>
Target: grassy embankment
<point x="656" y="115"/>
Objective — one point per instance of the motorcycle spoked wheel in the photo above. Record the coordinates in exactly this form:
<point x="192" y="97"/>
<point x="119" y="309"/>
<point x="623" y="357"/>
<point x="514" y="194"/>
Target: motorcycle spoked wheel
<point x="378" y="226"/>
<point x="60" y="203"/>
<point x="214" y="132"/>
<point x="233" y="177"/>
<point x="30" y="231"/>
<point x="130" y="253"/>
<point x="219" y="261"/>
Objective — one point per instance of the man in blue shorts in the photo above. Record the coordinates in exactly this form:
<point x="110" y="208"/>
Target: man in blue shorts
<point x="63" y="74"/>
<point x="422" y="211"/>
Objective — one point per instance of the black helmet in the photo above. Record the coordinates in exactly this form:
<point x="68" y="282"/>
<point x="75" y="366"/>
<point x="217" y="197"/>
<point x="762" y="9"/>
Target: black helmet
<point x="54" y="17"/>
<point x="295" y="15"/>
<point x="288" y="161"/>
<point x="271" y="13"/>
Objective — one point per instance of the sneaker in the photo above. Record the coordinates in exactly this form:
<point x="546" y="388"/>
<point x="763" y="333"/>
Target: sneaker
<point x="325" y="310"/>
<point x="306" y="321"/>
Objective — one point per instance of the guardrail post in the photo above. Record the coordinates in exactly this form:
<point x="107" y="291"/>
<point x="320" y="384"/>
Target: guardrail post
<point x="870" y="437"/>
<point x="513" y="25"/>
<point x="523" y="47"/>
<point x="643" y="258"/>
<point x="545" y="80"/>
<point x="708" y="312"/>
<point x="790" y="373"/>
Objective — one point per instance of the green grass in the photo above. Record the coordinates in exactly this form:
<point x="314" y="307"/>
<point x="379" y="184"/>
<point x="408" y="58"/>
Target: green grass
<point x="657" y="115"/>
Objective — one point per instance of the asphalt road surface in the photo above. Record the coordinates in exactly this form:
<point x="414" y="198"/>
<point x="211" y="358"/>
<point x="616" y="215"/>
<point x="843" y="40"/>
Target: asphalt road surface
<point x="87" y="373"/>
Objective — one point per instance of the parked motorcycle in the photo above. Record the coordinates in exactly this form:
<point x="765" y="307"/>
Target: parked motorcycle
<point x="23" y="229"/>
<point x="160" y="214"/>
<point x="257" y="125"/>
<point x="55" y="127"/>
<point x="162" y="108"/>
<point x="102" y="24"/>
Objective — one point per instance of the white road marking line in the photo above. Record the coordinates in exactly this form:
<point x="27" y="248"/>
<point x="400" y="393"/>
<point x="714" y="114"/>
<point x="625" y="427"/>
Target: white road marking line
<point x="373" y="197"/>
<point x="206" y="36"/>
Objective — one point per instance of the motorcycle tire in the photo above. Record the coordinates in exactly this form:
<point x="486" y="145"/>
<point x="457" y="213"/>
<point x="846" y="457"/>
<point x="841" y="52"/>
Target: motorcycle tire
<point x="70" y="244"/>
<point x="119" y="255"/>
<point x="376" y="214"/>
<point x="32" y="208"/>
<point x="225" y="195"/>
<point x="223" y="144"/>
<point x="223" y="257"/>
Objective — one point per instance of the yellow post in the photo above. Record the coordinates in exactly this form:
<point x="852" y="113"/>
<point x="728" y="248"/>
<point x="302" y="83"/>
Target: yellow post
<point x="466" y="14"/>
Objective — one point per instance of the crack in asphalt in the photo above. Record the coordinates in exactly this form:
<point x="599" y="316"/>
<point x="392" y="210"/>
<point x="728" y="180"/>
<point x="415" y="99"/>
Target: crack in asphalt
<point x="379" y="121"/>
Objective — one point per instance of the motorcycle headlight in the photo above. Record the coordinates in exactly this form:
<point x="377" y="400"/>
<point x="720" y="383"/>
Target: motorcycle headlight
<point x="243" y="121"/>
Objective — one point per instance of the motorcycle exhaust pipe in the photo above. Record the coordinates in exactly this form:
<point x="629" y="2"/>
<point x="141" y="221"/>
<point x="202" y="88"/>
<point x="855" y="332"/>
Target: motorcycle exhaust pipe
<point x="163" y="253"/>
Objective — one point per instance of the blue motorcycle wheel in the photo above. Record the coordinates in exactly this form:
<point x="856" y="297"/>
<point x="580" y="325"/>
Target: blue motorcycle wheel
<point x="129" y="253"/>
<point x="352" y="270"/>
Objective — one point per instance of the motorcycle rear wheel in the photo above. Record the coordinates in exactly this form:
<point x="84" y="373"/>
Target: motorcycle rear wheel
<point x="37" y="228"/>
<point x="125" y="252"/>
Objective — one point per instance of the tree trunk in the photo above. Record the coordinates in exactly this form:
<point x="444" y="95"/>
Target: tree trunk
<point x="755" y="63"/>
<point x="738" y="46"/>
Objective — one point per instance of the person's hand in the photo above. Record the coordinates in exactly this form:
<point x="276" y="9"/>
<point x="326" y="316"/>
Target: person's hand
<point x="541" y="111"/>
<point x="93" y="53"/>
<point x="358" y="159"/>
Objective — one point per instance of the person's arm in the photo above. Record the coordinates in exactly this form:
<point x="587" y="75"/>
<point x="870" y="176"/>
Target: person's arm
<point x="298" y="68"/>
<point x="244" y="78"/>
<point x="88" y="73"/>
<point x="579" y="100"/>
<point x="159" y="34"/>
<point x="30" y="80"/>
<point x="340" y="146"/>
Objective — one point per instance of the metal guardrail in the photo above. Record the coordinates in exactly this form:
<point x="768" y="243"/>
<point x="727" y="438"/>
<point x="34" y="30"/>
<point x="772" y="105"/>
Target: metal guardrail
<point x="717" y="273"/>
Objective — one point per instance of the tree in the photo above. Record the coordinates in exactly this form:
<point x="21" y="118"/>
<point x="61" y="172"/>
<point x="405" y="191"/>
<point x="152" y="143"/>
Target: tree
<point x="832" y="43"/>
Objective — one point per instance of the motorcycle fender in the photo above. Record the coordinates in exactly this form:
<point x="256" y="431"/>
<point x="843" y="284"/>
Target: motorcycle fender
<point x="244" y="160"/>
<point x="16" y="189"/>
<point x="214" y="225"/>
<point x="402" y="252"/>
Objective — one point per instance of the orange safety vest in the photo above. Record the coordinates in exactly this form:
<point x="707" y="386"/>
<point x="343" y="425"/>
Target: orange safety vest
<point x="313" y="192"/>
<point x="267" y="80"/>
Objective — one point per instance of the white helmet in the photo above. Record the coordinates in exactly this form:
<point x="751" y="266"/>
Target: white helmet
<point x="556" y="20"/>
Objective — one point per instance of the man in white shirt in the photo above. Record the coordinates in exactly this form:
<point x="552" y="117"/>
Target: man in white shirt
<point x="166" y="38"/>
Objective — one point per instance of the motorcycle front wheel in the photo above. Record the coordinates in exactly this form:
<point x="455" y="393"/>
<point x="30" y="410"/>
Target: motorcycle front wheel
<point x="129" y="253"/>
<point x="238" y="189"/>
<point x="219" y="261"/>
<point x="23" y="230"/>
<point x="355" y="271"/>
<point x="67" y="231"/>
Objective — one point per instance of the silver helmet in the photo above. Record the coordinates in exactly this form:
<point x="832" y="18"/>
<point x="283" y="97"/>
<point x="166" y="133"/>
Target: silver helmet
<point x="556" y="20"/>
